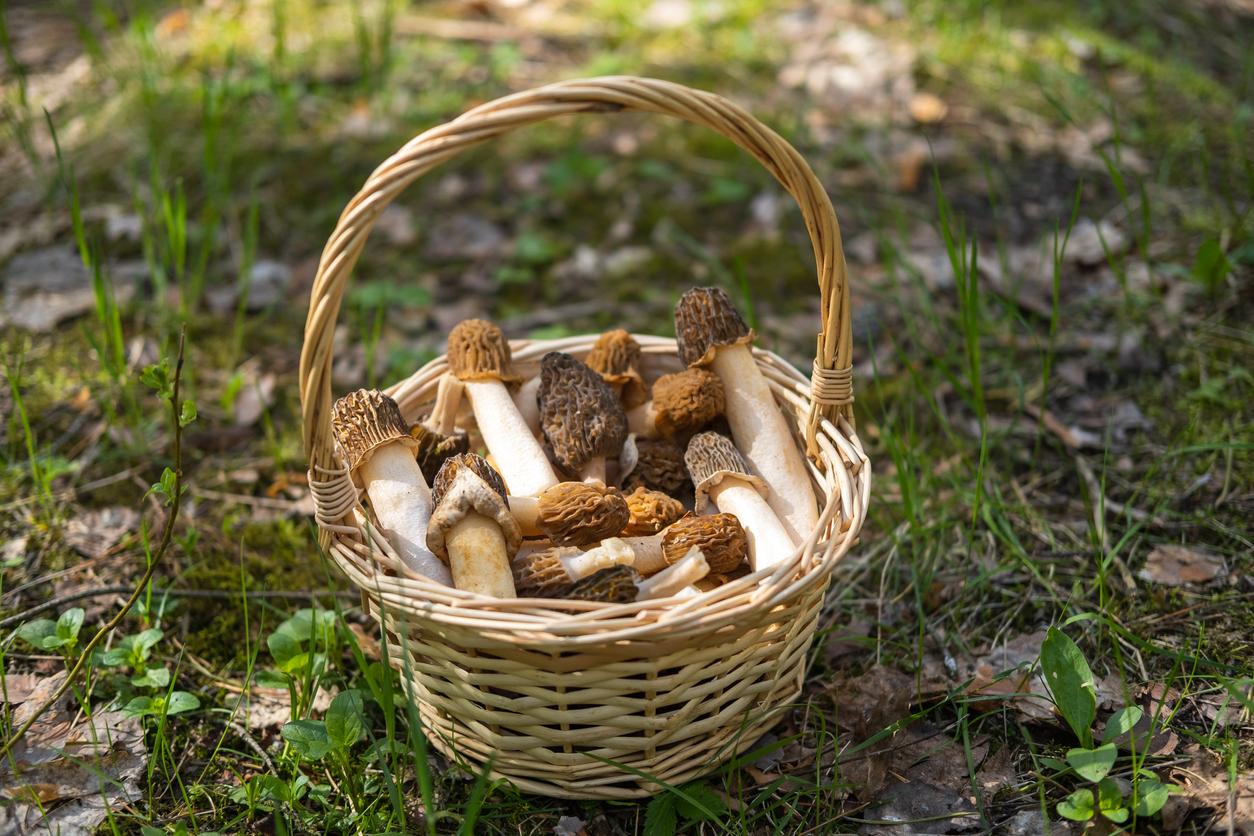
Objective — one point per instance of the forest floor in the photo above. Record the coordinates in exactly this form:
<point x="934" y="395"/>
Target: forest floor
<point x="1046" y="211"/>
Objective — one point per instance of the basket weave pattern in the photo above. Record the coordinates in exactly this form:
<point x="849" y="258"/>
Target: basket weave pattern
<point x="610" y="700"/>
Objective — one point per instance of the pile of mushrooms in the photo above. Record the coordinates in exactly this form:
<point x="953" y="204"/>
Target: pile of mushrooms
<point x="601" y="478"/>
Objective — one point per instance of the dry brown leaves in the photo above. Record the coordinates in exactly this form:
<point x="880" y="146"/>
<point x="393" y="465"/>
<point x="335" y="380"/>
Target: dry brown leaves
<point x="95" y="533"/>
<point x="1182" y="566"/>
<point x="68" y="771"/>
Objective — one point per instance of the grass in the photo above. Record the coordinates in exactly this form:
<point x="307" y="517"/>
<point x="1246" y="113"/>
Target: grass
<point x="235" y="133"/>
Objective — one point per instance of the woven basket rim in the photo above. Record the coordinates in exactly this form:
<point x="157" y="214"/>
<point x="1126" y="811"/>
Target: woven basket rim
<point x="547" y="621"/>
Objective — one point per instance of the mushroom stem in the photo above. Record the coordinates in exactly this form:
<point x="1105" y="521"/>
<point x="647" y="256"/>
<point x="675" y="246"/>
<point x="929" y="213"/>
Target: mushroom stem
<point x="593" y="470"/>
<point x="448" y="399"/>
<point x="687" y="570"/>
<point x="526" y="509"/>
<point x="478" y="557"/>
<point x="649" y="556"/>
<point x="640" y="420"/>
<point x="611" y="552"/>
<point x="761" y="433"/>
<point x="527" y="403"/>
<point x="402" y="504"/>
<point x="769" y="542"/>
<point x="523" y="464"/>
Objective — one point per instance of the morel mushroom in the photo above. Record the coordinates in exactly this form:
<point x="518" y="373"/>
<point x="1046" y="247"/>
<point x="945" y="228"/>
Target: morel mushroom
<point x="380" y="452"/>
<point x="682" y="403"/>
<point x="573" y="513"/>
<point x="540" y="574"/>
<point x="720" y="537"/>
<point x="479" y="356"/>
<point x="659" y="466"/>
<point x="711" y="332"/>
<point x="472" y="527"/>
<point x="616" y="357"/>
<point x="622" y="584"/>
<point x="721" y="476"/>
<point x="651" y="511"/>
<point x="434" y="449"/>
<point x="582" y="420"/>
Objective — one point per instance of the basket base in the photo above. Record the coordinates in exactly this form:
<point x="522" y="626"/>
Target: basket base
<point x="625" y="783"/>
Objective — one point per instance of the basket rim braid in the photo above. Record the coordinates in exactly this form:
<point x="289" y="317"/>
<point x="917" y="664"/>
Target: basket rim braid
<point x="584" y="699"/>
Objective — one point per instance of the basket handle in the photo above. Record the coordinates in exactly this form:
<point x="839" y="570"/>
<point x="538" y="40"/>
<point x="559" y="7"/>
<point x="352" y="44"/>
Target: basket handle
<point x="832" y="382"/>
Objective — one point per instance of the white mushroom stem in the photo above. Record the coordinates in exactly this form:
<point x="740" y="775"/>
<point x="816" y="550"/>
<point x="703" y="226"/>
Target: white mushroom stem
<point x="593" y="470"/>
<point x="402" y="504"/>
<point x="477" y="557"/>
<point x="611" y="552"/>
<point x="684" y="572"/>
<point x="641" y="420"/>
<point x="448" y="399"/>
<point x="649" y="558"/>
<point x="761" y="434"/>
<point x="522" y="462"/>
<point x="526" y="509"/>
<point x="527" y="402"/>
<point x="769" y="542"/>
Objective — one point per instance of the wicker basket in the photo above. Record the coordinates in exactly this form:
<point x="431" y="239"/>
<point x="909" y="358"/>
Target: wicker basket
<point x="613" y="701"/>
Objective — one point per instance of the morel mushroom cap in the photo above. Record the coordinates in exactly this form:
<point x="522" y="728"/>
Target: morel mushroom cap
<point x="467" y="484"/>
<point x="705" y="319"/>
<point x="616" y="357"/>
<point x="651" y="511"/>
<point x="540" y="574"/>
<point x="581" y="513"/>
<point x="659" y="466"/>
<point x="720" y="537"/>
<point x="579" y="413"/>
<point x="687" y="401"/>
<point x="367" y="419"/>
<point x="478" y="350"/>
<point x="613" y="584"/>
<point x="711" y="458"/>
<point x="434" y="449"/>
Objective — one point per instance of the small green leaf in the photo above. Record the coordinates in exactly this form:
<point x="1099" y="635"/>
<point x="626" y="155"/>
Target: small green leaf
<point x="139" y="706"/>
<point x="308" y="738"/>
<point x="1151" y="795"/>
<point x="1093" y="764"/>
<point x="1122" y="722"/>
<point x="660" y="817"/>
<point x="68" y="625"/>
<point x="181" y="702"/>
<point x="144" y="642"/>
<point x="40" y="633"/>
<point x="157" y="376"/>
<point x="345" y="719"/>
<point x="1078" y="806"/>
<point x="187" y="413"/>
<point x="711" y="805"/>
<point x="1070" y="682"/>
<point x="152" y="678"/>
<point x="1110" y="800"/>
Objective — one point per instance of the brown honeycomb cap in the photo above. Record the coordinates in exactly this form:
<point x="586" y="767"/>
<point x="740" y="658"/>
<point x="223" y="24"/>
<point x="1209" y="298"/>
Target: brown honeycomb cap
<point x="581" y="513"/>
<point x="478" y="350"/>
<point x="706" y="319"/>
<point x="616" y="357"/>
<point x="720" y="537"/>
<point x="366" y="420"/>
<point x="580" y="415"/>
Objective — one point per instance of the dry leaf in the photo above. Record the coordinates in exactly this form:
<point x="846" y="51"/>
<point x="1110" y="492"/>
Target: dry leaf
<point x="48" y="286"/>
<point x="95" y="533"/>
<point x="1181" y="566"/>
<point x="64" y="776"/>
<point x="570" y="826"/>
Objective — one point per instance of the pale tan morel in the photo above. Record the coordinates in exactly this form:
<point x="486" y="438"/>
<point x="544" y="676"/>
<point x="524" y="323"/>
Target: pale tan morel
<point x="472" y="527"/>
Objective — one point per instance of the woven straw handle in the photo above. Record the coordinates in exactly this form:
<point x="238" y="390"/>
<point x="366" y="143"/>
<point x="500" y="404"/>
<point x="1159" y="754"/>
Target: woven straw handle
<point x="831" y="389"/>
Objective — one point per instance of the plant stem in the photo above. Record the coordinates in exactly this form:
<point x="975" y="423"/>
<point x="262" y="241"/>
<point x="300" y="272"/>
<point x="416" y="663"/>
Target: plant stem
<point x="167" y="536"/>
